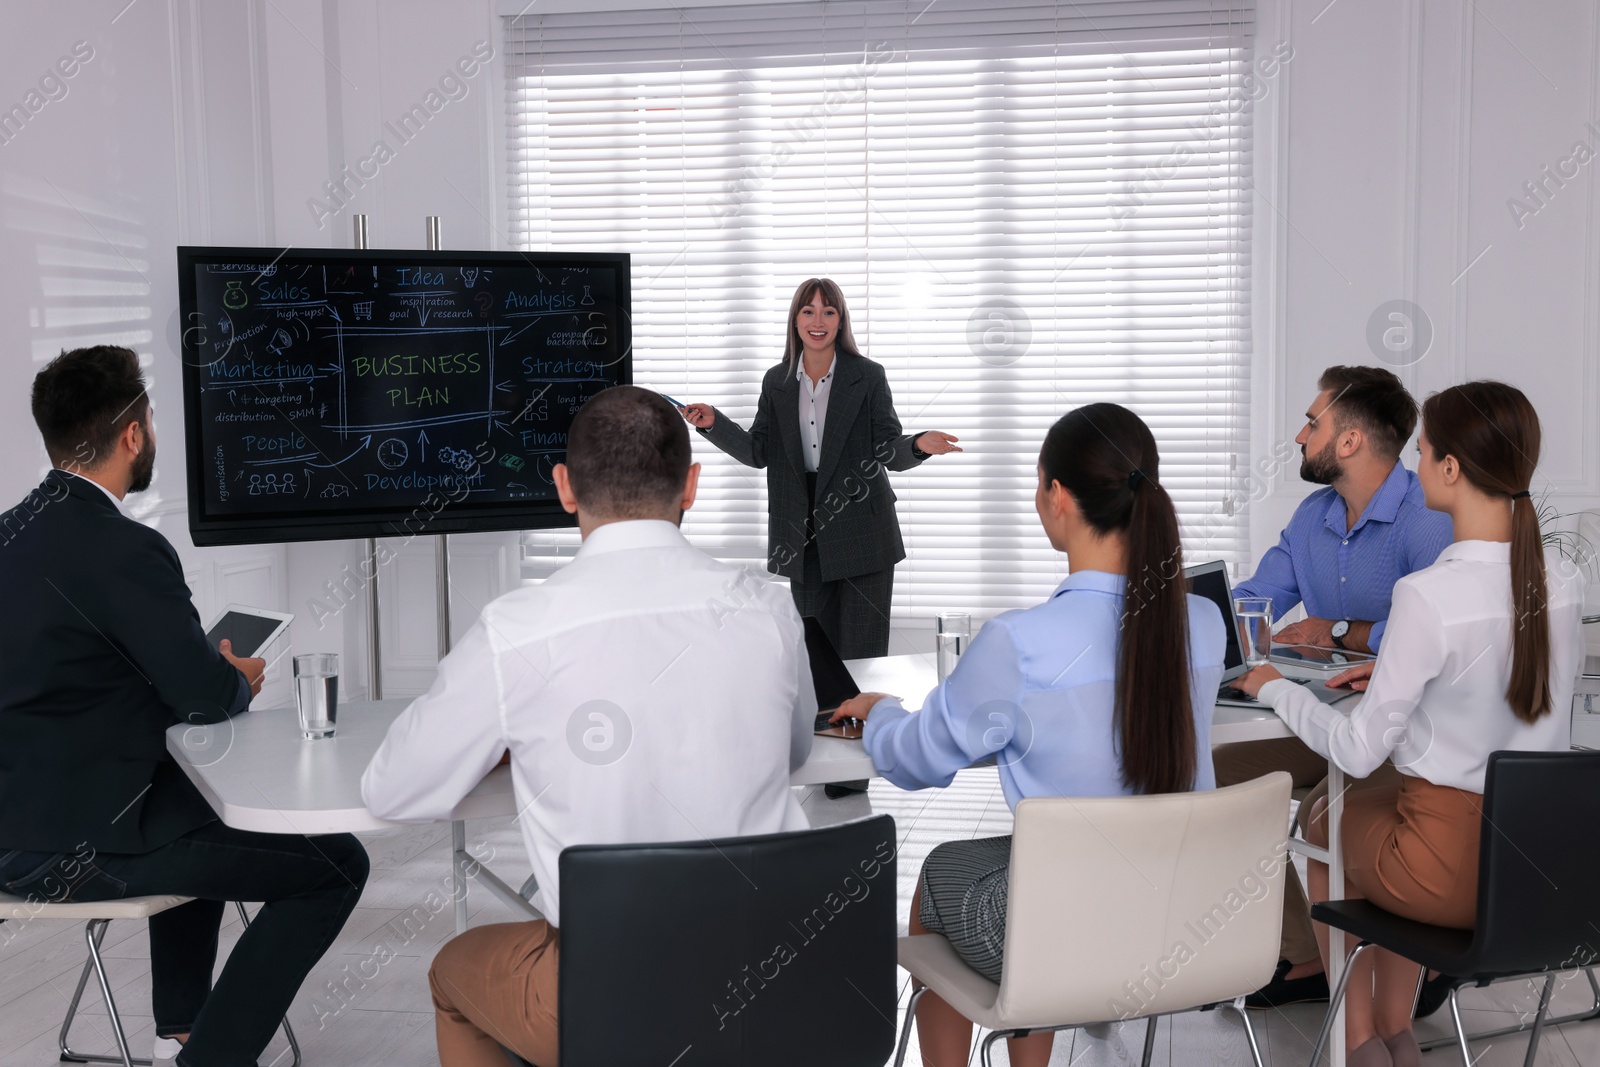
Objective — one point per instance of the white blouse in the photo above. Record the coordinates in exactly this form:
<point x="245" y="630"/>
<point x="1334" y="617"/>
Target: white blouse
<point x="813" y="411"/>
<point x="1436" y="703"/>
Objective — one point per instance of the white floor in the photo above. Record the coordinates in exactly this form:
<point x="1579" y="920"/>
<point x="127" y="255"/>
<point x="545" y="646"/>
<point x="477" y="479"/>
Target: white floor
<point x="382" y="1014"/>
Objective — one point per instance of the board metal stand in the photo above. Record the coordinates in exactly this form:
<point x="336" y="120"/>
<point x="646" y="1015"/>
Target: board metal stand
<point x="462" y="865"/>
<point x="374" y="650"/>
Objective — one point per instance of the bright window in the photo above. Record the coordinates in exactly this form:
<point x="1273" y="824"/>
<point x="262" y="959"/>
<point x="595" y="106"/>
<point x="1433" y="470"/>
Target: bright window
<point x="1029" y="206"/>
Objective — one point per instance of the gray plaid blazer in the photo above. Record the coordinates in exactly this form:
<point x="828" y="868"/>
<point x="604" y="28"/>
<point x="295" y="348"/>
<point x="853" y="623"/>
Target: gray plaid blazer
<point x="857" y="531"/>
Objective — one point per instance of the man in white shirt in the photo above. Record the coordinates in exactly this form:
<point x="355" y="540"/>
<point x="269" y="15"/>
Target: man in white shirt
<point x="646" y="692"/>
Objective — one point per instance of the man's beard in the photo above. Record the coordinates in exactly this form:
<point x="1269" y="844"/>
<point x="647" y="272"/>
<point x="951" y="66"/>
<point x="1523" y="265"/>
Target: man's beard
<point x="143" y="470"/>
<point x="1322" y="468"/>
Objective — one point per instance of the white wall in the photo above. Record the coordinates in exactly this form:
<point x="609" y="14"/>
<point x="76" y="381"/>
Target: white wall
<point x="1387" y="150"/>
<point x="216" y="124"/>
<point x="1390" y="151"/>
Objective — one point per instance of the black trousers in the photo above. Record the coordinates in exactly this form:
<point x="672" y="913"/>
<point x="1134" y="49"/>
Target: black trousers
<point x="310" y="886"/>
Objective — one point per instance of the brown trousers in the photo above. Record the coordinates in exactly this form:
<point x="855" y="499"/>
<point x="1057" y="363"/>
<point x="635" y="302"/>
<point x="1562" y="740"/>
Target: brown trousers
<point x="1248" y="760"/>
<point x="496" y="985"/>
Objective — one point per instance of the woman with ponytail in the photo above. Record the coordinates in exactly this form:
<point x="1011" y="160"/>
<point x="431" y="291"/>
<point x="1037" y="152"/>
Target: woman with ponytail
<point x="1481" y="654"/>
<point x="1105" y="689"/>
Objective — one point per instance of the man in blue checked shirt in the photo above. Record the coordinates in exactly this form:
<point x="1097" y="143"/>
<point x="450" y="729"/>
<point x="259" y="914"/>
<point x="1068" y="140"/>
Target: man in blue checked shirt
<point x="1340" y="556"/>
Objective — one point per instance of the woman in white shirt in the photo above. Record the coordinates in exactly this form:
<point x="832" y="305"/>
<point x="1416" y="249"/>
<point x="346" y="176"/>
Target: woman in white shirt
<point x="1481" y="653"/>
<point x="1082" y="695"/>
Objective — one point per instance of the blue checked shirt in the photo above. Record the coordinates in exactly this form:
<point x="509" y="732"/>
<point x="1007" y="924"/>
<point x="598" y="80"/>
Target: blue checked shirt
<point x="1350" y="574"/>
<point x="1037" y="690"/>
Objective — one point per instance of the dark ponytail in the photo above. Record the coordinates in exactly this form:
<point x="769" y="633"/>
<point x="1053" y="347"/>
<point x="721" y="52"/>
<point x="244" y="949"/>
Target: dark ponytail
<point x="1493" y="432"/>
<point x="1105" y="456"/>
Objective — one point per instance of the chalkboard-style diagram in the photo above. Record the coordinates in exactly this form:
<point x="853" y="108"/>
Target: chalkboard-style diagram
<point x="381" y="393"/>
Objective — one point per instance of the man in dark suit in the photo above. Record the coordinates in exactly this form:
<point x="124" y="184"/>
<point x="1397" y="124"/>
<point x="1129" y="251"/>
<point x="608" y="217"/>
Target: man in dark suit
<point x="101" y="651"/>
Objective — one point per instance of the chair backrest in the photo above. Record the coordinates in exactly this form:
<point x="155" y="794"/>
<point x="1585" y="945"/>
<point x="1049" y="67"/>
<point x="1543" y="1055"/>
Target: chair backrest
<point x="1122" y="907"/>
<point x="1538" y="866"/>
<point x="770" y="950"/>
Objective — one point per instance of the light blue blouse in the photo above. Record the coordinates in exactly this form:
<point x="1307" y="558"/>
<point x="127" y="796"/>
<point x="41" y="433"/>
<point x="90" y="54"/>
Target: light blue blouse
<point x="1036" y="690"/>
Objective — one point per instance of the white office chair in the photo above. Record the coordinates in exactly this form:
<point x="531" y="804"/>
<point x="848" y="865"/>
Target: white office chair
<point x="98" y="916"/>
<point x="1103" y="891"/>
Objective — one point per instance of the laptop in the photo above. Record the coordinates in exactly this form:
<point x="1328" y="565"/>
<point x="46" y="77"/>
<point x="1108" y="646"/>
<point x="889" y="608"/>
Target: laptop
<point x="1210" y="580"/>
<point x="832" y="680"/>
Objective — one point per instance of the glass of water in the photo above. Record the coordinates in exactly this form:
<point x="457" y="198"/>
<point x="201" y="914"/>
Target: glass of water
<point x="316" y="693"/>
<point x="1255" y="628"/>
<point x="954" y="630"/>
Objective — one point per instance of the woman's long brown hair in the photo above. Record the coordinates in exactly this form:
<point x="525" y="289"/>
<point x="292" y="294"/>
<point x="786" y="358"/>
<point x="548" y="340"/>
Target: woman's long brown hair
<point x="1493" y="432"/>
<point x="1094" y="453"/>
<point x="832" y="296"/>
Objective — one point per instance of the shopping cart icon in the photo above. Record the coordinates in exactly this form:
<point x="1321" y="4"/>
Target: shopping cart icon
<point x="362" y="308"/>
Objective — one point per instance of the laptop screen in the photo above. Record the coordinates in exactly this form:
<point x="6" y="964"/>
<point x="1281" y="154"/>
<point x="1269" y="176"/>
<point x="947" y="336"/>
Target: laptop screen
<point x="1210" y="580"/>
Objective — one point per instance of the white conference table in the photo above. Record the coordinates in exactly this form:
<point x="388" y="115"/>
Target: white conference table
<point x="258" y="773"/>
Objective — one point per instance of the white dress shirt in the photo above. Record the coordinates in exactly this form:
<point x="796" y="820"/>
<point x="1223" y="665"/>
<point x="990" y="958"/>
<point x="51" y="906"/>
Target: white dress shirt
<point x="646" y="692"/>
<point x="813" y="412"/>
<point x="1437" y="699"/>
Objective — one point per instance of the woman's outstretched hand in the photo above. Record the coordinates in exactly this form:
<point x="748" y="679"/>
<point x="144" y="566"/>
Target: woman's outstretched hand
<point x="700" y="416"/>
<point x="934" y="442"/>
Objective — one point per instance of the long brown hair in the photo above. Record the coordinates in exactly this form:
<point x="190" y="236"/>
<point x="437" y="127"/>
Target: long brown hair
<point x="1493" y="432"/>
<point x="1105" y="456"/>
<point x="832" y="296"/>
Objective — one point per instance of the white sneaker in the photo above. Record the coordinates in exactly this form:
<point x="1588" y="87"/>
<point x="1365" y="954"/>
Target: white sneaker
<point x="166" y="1052"/>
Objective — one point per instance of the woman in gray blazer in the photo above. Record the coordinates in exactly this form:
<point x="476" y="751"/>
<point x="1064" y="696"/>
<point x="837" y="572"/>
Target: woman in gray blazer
<point x="832" y="529"/>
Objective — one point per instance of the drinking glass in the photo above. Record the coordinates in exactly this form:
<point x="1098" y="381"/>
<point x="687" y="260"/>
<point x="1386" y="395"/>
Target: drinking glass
<point x="316" y="693"/>
<point x="954" y="630"/>
<point x="1255" y="628"/>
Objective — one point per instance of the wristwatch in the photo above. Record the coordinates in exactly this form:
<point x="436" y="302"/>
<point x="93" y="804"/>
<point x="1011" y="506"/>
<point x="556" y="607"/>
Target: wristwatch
<point x="1340" y="628"/>
<point x="917" y="452"/>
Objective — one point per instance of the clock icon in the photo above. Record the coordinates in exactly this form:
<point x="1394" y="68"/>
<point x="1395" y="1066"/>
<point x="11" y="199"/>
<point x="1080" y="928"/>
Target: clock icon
<point x="393" y="453"/>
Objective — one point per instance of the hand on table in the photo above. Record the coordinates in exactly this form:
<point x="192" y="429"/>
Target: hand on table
<point x="1356" y="677"/>
<point x="857" y="707"/>
<point x="937" y="443"/>
<point x="1308" y="631"/>
<point x="700" y="416"/>
<point x="252" y="667"/>
<point x="1251" y="681"/>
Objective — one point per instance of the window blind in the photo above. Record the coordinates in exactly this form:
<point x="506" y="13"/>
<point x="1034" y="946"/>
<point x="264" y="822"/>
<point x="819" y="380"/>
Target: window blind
<point x="1029" y="206"/>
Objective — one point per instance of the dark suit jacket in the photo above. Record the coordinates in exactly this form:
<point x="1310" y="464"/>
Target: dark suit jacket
<point x="100" y="651"/>
<point x="857" y="531"/>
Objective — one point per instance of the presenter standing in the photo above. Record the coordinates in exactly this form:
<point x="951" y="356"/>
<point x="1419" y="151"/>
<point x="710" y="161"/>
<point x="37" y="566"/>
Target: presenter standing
<point x="832" y="529"/>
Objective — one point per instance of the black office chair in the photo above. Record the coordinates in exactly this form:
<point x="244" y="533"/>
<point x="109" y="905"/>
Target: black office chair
<point x="776" y="950"/>
<point x="1538" y="890"/>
